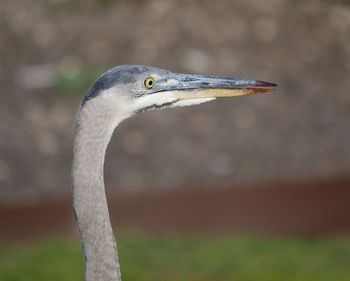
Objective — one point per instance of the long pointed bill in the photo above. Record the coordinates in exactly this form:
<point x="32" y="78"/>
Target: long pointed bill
<point x="185" y="86"/>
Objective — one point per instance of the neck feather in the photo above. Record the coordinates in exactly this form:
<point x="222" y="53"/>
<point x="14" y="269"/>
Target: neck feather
<point x="93" y="132"/>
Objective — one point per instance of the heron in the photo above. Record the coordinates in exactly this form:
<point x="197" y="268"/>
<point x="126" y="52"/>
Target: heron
<point x="120" y="93"/>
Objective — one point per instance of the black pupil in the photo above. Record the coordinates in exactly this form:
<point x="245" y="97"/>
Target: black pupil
<point x="150" y="82"/>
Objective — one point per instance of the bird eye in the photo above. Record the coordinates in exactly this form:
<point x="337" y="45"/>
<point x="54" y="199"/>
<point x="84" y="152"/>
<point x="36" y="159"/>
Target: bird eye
<point x="149" y="82"/>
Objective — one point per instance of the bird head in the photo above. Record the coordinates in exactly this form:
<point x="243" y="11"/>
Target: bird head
<point x="137" y="88"/>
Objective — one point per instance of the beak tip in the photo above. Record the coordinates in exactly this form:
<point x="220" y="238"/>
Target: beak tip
<point x="266" y="84"/>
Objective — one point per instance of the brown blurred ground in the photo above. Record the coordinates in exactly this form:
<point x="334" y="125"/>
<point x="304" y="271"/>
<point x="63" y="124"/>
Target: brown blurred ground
<point x="309" y="209"/>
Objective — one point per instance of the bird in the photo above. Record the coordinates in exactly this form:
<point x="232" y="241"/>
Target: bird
<point x="118" y="94"/>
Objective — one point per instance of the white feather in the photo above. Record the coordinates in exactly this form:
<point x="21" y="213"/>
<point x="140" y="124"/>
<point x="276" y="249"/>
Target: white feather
<point x="128" y="107"/>
<point x="157" y="99"/>
<point x="189" y="102"/>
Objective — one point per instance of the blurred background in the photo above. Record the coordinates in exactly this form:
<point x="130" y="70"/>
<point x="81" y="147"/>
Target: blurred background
<point x="253" y="188"/>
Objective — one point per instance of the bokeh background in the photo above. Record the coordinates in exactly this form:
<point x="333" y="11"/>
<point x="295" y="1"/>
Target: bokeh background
<point x="243" y="171"/>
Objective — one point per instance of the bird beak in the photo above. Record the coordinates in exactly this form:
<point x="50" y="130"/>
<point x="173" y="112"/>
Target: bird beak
<point x="186" y="86"/>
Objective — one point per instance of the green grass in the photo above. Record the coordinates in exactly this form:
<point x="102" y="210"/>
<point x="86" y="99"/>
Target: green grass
<point x="187" y="258"/>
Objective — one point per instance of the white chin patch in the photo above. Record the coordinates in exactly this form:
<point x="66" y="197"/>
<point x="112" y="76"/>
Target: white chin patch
<point x="189" y="102"/>
<point x="163" y="100"/>
<point x="157" y="99"/>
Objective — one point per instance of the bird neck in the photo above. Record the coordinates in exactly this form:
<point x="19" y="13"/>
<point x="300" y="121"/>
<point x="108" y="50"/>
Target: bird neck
<point x="93" y="132"/>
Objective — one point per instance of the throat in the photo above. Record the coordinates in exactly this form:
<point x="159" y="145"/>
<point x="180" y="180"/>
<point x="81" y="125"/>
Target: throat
<point x="89" y="200"/>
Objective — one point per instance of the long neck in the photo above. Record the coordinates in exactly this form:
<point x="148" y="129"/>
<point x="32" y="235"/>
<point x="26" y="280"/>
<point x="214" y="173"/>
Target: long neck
<point x="93" y="133"/>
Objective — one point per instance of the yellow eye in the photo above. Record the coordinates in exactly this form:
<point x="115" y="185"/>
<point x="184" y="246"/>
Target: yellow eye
<point x="149" y="82"/>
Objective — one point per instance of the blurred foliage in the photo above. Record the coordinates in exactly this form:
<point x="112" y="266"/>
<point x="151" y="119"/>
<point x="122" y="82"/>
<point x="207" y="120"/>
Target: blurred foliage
<point x="187" y="258"/>
<point x="75" y="81"/>
<point x="66" y="4"/>
<point x="77" y="4"/>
